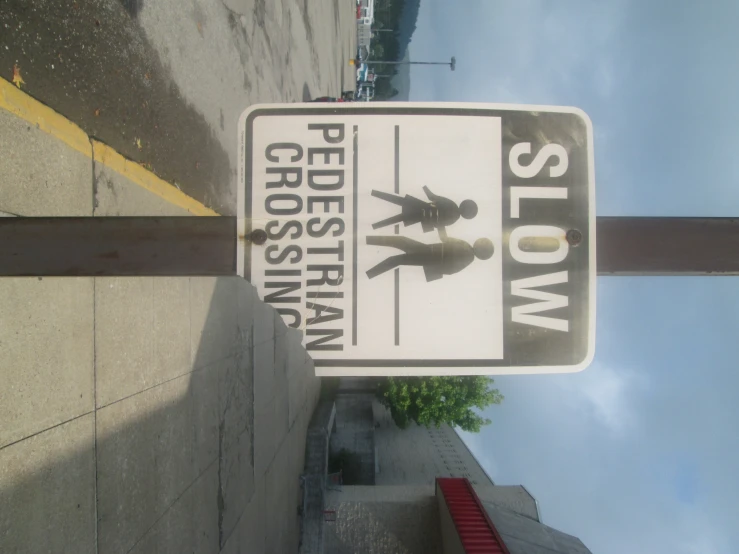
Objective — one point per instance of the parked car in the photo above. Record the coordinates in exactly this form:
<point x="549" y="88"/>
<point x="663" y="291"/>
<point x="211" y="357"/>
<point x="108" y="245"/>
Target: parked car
<point x="327" y="99"/>
<point x="346" y="96"/>
<point x="365" y="92"/>
<point x="362" y="72"/>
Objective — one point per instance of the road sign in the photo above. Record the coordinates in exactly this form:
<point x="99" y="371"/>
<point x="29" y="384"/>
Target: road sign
<point x="424" y="239"/>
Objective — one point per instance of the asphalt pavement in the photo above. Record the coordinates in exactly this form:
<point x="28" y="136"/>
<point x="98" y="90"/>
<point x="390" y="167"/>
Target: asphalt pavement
<point x="163" y="82"/>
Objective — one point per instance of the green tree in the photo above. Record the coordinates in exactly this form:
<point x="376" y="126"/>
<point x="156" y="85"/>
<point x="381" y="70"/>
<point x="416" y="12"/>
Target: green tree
<point x="438" y="400"/>
<point x="377" y="51"/>
<point x="384" y="89"/>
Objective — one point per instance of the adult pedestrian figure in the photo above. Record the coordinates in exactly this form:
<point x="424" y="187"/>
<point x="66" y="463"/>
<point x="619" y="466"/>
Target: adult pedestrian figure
<point x="443" y="258"/>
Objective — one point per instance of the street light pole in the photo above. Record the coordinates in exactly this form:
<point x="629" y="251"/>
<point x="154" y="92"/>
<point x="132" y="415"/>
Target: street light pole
<point x="452" y="64"/>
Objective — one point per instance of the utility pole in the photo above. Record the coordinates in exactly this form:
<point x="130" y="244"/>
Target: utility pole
<point x="181" y="246"/>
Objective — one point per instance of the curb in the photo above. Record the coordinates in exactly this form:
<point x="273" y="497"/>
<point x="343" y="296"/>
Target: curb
<point x="20" y="104"/>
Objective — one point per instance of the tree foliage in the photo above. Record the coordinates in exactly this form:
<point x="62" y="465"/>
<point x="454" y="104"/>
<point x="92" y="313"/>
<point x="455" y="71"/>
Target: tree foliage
<point x="438" y="400"/>
<point x="395" y="22"/>
<point x="377" y="51"/>
<point x="384" y="89"/>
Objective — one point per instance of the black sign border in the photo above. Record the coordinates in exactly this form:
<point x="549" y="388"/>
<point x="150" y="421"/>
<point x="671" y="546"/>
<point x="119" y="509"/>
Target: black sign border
<point x="436" y="110"/>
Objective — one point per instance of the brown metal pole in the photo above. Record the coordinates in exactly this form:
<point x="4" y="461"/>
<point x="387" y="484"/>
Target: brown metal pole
<point x="667" y="246"/>
<point x="179" y="246"/>
<point x="117" y="246"/>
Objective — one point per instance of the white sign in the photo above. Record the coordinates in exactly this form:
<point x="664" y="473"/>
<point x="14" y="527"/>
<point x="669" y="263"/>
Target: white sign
<point x="424" y="239"/>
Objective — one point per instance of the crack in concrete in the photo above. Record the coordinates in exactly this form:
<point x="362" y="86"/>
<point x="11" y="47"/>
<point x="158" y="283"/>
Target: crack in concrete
<point x="220" y="499"/>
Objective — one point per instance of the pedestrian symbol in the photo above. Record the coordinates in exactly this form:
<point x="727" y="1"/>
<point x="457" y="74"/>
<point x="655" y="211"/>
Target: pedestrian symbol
<point x="438" y="213"/>
<point x="443" y="258"/>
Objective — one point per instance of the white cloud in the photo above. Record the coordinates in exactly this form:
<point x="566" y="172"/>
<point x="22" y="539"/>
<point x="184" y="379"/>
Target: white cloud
<point x="604" y="80"/>
<point x="705" y="542"/>
<point x="691" y="531"/>
<point x="607" y="394"/>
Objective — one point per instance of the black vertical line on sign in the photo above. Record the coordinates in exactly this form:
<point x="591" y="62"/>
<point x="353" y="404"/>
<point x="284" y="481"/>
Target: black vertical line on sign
<point x="397" y="232"/>
<point x="355" y="227"/>
<point x="397" y="306"/>
<point x="397" y="159"/>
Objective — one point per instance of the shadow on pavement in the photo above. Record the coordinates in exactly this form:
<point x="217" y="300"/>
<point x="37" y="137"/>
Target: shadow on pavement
<point x="91" y="62"/>
<point x="171" y="468"/>
<point x="133" y="7"/>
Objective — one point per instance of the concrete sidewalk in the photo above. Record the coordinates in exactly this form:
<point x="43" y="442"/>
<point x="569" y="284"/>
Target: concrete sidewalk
<point x="139" y="414"/>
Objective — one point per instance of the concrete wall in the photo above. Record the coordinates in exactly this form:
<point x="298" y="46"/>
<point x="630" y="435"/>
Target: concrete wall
<point x="366" y="385"/>
<point x="515" y="498"/>
<point x="354" y="432"/>
<point x="314" y="476"/>
<point x="364" y="34"/>
<point x="417" y="455"/>
<point x="523" y="535"/>
<point x="383" y="520"/>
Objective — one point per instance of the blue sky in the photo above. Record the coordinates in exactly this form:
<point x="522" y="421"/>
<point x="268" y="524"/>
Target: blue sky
<point x="640" y="452"/>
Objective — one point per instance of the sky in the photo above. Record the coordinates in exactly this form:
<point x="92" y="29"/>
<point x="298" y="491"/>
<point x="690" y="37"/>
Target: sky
<point x="639" y="453"/>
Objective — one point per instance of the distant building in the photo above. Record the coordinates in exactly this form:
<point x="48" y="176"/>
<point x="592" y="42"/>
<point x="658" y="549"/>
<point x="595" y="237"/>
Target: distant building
<point x="418" y="455"/>
<point x="366" y="11"/>
<point x="384" y="454"/>
<point x="365" y="20"/>
<point x="421" y="491"/>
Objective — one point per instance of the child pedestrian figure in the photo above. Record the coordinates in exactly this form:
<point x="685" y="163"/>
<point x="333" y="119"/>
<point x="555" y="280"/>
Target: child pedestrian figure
<point x="440" y="212"/>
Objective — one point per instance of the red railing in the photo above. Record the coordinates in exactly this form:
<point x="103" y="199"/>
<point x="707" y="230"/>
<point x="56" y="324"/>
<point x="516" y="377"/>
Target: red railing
<point x="476" y="532"/>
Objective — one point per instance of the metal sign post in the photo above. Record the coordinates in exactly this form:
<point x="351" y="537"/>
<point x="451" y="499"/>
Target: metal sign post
<point x="117" y="246"/>
<point x="664" y="246"/>
<point x="200" y="246"/>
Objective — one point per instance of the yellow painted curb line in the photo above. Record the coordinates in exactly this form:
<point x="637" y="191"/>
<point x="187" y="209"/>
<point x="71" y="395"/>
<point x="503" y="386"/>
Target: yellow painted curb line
<point x="20" y="104"/>
<point x="24" y="106"/>
<point x="146" y="179"/>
